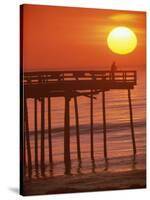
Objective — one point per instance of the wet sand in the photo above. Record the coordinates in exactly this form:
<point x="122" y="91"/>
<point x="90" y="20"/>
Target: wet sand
<point x="105" y="180"/>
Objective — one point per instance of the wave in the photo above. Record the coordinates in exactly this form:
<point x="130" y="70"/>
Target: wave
<point x="98" y="127"/>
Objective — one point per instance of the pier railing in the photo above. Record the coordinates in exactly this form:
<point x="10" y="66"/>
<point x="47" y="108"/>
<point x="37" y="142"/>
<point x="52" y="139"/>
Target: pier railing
<point x="51" y="76"/>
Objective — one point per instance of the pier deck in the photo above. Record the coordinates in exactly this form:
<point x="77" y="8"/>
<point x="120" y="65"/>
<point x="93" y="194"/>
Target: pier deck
<point x="57" y="83"/>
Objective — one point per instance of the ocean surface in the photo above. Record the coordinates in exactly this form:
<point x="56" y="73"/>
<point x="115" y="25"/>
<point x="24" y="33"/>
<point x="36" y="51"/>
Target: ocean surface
<point x="119" y="143"/>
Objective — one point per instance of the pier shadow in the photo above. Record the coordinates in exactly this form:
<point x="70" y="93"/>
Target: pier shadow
<point x="96" y="167"/>
<point x="51" y="170"/>
<point x="106" y="166"/>
<point x="93" y="166"/>
<point x="134" y="162"/>
<point x="79" y="167"/>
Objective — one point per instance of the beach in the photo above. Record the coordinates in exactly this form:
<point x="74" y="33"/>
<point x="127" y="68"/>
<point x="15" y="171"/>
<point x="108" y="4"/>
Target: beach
<point x="87" y="182"/>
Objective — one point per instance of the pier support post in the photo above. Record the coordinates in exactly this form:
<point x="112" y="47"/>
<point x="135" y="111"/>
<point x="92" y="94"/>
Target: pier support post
<point x="43" y="136"/>
<point x="27" y="134"/>
<point x="67" y="136"/>
<point x="131" y="124"/>
<point x="104" y="127"/>
<point x="77" y="128"/>
<point x="49" y="131"/>
<point x="91" y="131"/>
<point x="35" y="136"/>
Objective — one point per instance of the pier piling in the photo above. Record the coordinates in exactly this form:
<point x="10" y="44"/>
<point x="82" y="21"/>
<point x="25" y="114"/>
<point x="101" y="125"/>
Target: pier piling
<point x="49" y="132"/>
<point x="35" y="136"/>
<point x="104" y="126"/>
<point x="131" y="124"/>
<point x="77" y="128"/>
<point x="91" y="126"/>
<point x="28" y="138"/>
<point x="67" y="160"/>
<point x="43" y="136"/>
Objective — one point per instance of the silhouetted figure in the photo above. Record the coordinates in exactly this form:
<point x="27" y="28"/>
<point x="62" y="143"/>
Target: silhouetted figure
<point x="113" y="69"/>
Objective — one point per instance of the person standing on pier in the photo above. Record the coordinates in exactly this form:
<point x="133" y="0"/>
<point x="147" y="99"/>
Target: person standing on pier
<point x="113" y="69"/>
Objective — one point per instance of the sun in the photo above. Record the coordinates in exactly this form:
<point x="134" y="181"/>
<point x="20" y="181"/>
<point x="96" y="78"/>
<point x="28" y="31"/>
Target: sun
<point x="122" y="40"/>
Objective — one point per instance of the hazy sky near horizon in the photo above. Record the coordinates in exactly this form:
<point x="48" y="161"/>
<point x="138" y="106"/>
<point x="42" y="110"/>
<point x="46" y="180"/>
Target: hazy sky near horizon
<point x="76" y="38"/>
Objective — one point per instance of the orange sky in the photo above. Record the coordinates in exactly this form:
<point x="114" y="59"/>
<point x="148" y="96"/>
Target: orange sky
<point x="76" y="38"/>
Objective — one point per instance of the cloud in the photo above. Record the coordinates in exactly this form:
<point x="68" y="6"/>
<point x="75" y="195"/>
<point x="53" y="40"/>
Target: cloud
<point x="123" y="17"/>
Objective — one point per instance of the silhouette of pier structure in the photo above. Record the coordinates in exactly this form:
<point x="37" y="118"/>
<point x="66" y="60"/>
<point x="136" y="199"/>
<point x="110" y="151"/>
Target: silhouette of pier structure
<point x="70" y="84"/>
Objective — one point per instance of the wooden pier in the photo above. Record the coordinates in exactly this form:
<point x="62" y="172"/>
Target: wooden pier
<point x="70" y="84"/>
